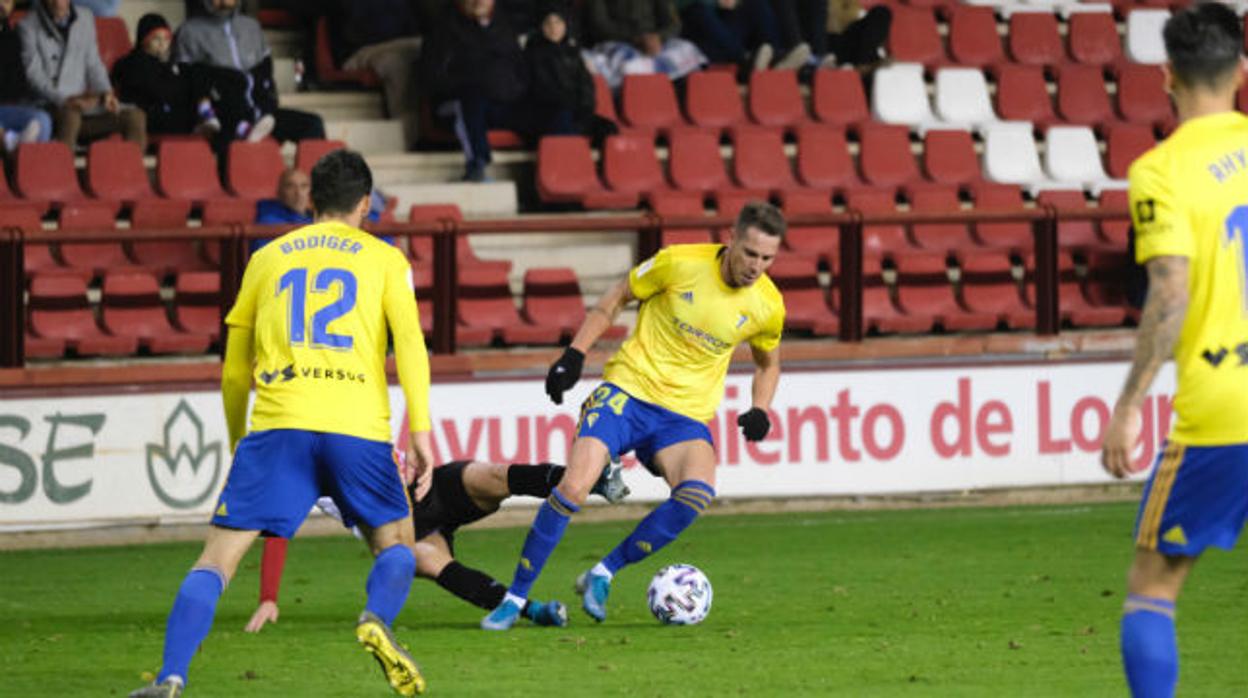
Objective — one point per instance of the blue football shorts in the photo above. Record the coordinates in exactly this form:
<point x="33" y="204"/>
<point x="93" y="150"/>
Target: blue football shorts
<point x="277" y="476"/>
<point x="1196" y="497"/>
<point x="624" y="424"/>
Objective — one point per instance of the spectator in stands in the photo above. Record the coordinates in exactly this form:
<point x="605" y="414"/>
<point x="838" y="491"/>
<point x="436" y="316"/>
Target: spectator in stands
<point x="638" y="36"/>
<point x="146" y="78"/>
<point x="293" y="205"/>
<point x="521" y="15"/>
<point x="100" y="8"/>
<point x="227" y="50"/>
<point x="64" y="70"/>
<point x="743" y="32"/>
<point x="474" y="73"/>
<point x="384" y="36"/>
<point x="804" y="22"/>
<point x="857" y="38"/>
<point x="561" y="90"/>
<point x="19" y="122"/>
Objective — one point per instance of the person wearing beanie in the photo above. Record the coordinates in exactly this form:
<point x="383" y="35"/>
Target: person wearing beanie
<point x="146" y="78"/>
<point x="561" y="92"/>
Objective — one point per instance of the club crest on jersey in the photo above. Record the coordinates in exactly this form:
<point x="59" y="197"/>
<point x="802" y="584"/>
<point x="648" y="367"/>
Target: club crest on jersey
<point x="742" y="318"/>
<point x="687" y="296"/>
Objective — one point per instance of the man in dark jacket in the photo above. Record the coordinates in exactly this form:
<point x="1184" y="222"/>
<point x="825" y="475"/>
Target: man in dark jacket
<point x="146" y="78"/>
<point x="474" y="73"/>
<point x="20" y="122"/>
<point x="561" y="90"/>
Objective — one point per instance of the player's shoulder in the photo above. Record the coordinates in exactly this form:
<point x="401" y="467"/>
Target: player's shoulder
<point x="769" y="293"/>
<point x="692" y="252"/>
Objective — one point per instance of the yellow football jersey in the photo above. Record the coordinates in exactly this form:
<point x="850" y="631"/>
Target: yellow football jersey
<point x="689" y="323"/>
<point x="1189" y="198"/>
<point x="320" y="300"/>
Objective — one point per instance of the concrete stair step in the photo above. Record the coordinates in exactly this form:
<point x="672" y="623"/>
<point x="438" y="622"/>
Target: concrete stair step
<point x="475" y="200"/>
<point x="368" y="136"/>
<point x="445" y="166"/>
<point x="284" y="43"/>
<point x="337" y="106"/>
<point x="172" y="10"/>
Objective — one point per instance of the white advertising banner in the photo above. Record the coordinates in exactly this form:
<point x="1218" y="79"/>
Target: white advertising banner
<point x="130" y="457"/>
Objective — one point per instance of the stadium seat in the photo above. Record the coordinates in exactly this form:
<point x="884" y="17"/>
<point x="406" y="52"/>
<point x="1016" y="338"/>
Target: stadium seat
<point x="112" y="40"/>
<point x="885" y="158"/>
<point x="1072" y="158"/>
<point x="648" y="103"/>
<point x="604" y="101"/>
<point x="552" y="299"/>
<point x="807" y="306"/>
<point x="97" y="257"/>
<point x="1074" y="307"/>
<point x="1107" y="279"/>
<point x="422" y="247"/>
<point x="164" y="256"/>
<point x="914" y="37"/>
<point x="254" y="169"/>
<point x="838" y="99"/>
<point x="899" y="95"/>
<point x="816" y="243"/>
<point x="1023" y="96"/>
<point x="695" y="163"/>
<point x="925" y="291"/>
<point x="565" y="174"/>
<point x="973" y="39"/>
<point x="197" y="303"/>
<point x="36" y="347"/>
<point x="939" y="237"/>
<point x="1034" y="39"/>
<point x="310" y="150"/>
<point x="1123" y="144"/>
<point x="37" y="258"/>
<point x="949" y="158"/>
<point x="59" y="310"/>
<point x="485" y="303"/>
<point x="1081" y="96"/>
<point x="775" y="99"/>
<point x="878" y="239"/>
<point x="712" y="100"/>
<point x="45" y="174"/>
<point x="879" y="312"/>
<point x="1114" y="231"/>
<point x="680" y="203"/>
<point x="1072" y="235"/>
<point x="630" y="166"/>
<point x="328" y="72"/>
<point x="1011" y="237"/>
<point x="422" y="280"/>
<point x="131" y="307"/>
<point x="988" y="287"/>
<point x="1093" y="38"/>
<point x="229" y="212"/>
<point x="962" y="96"/>
<point x="115" y="171"/>
<point x="188" y="170"/>
<point x="1010" y="154"/>
<point x="759" y="161"/>
<point x="823" y="159"/>
<point x="1144" y="43"/>
<point x="1142" y="96"/>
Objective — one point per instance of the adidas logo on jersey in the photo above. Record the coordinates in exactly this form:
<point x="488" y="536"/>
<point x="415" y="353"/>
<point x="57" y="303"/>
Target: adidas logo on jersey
<point x="687" y="296"/>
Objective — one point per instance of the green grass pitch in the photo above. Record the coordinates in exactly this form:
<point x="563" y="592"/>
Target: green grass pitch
<point x="954" y="602"/>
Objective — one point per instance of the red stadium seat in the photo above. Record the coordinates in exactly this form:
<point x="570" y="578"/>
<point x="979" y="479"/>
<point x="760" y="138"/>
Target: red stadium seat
<point x="97" y="257"/>
<point x="552" y="298"/>
<point x="254" y="169"/>
<point x="115" y="171"/>
<point x="422" y="247"/>
<point x="1115" y="232"/>
<point x="988" y="287"/>
<point x="485" y="303"/>
<point x="310" y="150"/>
<point x="683" y="204"/>
<point x="1081" y="96"/>
<point x="1072" y="234"/>
<point x="775" y="99"/>
<point x="197" y="303"/>
<point x="46" y="175"/>
<point x="1034" y="39"/>
<point x="1014" y="237"/>
<point x="188" y="170"/>
<point x="1093" y="38"/>
<point x="1142" y="96"/>
<point x="838" y="98"/>
<point x="1123" y="144"/>
<point x="166" y="256"/>
<point x="59" y="310"/>
<point x="878" y="239"/>
<point x="879" y="312"/>
<point x="604" y="101"/>
<point x="823" y="159"/>
<point x="817" y="243"/>
<point x="807" y="306"/>
<point x="925" y="291"/>
<point x="694" y="162"/>
<point x="1023" y="96"/>
<point x="759" y="161"/>
<point x="229" y="211"/>
<point x="327" y="71"/>
<point x="712" y="100"/>
<point x="112" y="40"/>
<point x="885" y="156"/>
<point x="37" y="257"/>
<point x="1107" y="278"/>
<point x="949" y="158"/>
<point x="131" y="307"/>
<point x="422" y="279"/>
<point x="915" y="38"/>
<point x="973" y="39"/>
<point x="1073" y="304"/>
<point x="648" y="102"/>
<point x="630" y="166"/>
<point x="565" y="174"/>
<point x="940" y="237"/>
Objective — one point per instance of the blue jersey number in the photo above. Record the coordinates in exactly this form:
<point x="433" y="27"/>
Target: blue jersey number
<point x="1237" y="225"/>
<point x="327" y="281"/>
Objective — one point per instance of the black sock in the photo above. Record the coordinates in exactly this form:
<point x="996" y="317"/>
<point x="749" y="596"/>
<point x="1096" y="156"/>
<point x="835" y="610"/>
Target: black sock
<point x="473" y="586"/>
<point x="533" y="480"/>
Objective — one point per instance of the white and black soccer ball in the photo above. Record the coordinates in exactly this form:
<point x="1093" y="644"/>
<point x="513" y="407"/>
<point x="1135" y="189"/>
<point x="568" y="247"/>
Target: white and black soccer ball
<point x="680" y="595"/>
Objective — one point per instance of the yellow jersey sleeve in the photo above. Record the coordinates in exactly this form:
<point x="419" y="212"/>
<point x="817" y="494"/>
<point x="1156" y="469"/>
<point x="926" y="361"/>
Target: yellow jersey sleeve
<point x="651" y="276"/>
<point x="1161" y="225"/>
<point x="243" y="314"/>
<point x="768" y="336"/>
<point x="411" y="356"/>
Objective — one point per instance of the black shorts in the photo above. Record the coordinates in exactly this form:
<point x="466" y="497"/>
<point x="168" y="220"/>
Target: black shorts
<point x="447" y="506"/>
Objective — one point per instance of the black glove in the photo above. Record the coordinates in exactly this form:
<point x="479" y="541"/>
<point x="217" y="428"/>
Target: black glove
<point x="754" y="424"/>
<point x="564" y="374"/>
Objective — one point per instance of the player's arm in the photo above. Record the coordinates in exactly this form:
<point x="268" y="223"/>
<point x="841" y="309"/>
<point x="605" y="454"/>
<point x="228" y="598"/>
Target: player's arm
<point x="765" y="349"/>
<point x="272" y="562"/>
<point x="411" y="360"/>
<point x="236" y="382"/>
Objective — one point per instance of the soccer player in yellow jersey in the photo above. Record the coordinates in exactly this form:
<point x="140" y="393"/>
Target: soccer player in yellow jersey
<point x="310" y="327"/>
<point x="698" y="302"/>
<point x="1189" y="208"/>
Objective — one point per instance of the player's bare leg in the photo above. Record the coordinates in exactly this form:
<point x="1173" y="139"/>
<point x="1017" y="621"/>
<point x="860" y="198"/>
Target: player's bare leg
<point x="1149" y="644"/>
<point x="689" y="469"/>
<point x="392" y="545"/>
<point x="486" y="484"/>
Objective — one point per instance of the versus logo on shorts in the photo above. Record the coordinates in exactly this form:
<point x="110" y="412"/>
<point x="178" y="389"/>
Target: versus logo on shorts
<point x="183" y="470"/>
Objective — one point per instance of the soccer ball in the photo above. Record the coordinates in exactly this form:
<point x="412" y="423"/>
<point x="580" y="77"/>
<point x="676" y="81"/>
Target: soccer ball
<point x="680" y="595"/>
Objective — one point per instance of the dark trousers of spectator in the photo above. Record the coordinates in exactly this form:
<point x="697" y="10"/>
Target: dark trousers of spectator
<point x="473" y="117"/>
<point x="72" y="124"/>
<point x="803" y="20"/>
<point x="295" y="125"/>
<point x="729" y="36"/>
<point x="860" y="43"/>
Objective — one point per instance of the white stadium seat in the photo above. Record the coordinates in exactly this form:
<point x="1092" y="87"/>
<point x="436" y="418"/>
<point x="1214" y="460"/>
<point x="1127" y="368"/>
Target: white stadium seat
<point x="1010" y="157"/>
<point x="962" y="97"/>
<point x="899" y="96"/>
<point x="1072" y="158"/>
<point x="1144" y="42"/>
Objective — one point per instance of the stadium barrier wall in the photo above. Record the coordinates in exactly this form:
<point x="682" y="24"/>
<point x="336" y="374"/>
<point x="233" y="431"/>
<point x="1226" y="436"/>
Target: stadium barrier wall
<point x="155" y="457"/>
